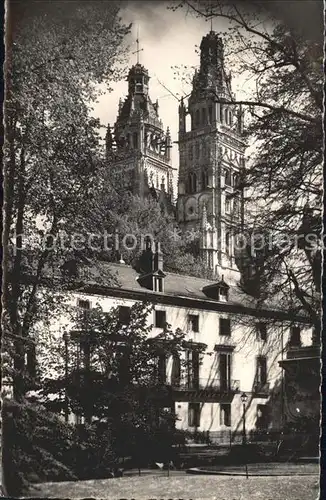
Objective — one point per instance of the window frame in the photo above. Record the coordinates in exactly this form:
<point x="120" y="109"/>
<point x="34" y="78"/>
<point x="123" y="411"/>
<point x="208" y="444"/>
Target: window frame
<point x="194" y="412"/>
<point x="190" y="318"/>
<point x="259" y="331"/>
<point x="157" y="313"/>
<point x="225" y="416"/>
<point x="225" y="321"/>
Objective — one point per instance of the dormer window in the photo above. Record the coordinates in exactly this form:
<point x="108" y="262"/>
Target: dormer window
<point x="158" y="284"/>
<point x="218" y="291"/>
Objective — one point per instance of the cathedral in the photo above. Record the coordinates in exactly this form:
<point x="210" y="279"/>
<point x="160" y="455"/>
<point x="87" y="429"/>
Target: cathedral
<point x="211" y="155"/>
<point x="234" y="353"/>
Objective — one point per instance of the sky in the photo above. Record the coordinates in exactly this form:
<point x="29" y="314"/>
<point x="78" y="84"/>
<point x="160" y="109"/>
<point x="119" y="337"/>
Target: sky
<point x="168" y="39"/>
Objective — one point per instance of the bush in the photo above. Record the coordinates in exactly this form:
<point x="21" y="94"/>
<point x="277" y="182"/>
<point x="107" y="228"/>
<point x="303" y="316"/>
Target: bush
<point x="35" y="447"/>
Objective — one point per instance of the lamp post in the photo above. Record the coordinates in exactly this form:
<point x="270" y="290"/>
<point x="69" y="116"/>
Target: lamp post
<point x="66" y="338"/>
<point x="244" y="399"/>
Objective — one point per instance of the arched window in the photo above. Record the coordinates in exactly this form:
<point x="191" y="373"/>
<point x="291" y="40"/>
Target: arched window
<point x="197" y="150"/>
<point x="226" y="116"/>
<point x="192" y="182"/>
<point x="230" y="118"/>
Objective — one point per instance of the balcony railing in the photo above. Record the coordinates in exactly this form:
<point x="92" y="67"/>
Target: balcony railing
<point x="207" y="384"/>
<point x="297" y="352"/>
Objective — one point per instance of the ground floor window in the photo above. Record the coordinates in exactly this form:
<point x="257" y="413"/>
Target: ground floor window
<point x="226" y="414"/>
<point x="194" y="414"/>
<point x="262" y="417"/>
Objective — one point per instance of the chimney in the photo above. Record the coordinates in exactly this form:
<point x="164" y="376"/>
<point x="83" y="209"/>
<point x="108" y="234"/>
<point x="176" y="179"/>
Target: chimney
<point x="158" y="259"/>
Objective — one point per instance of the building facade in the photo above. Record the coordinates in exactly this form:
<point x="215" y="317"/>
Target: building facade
<point x="230" y="347"/>
<point x="211" y="152"/>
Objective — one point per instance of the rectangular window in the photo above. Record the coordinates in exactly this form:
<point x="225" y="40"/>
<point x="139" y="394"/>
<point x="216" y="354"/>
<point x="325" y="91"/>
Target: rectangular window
<point x="261" y="331"/>
<point x="225" y="326"/>
<point x="295" y="336"/>
<point x="84" y="304"/>
<point x="160" y="319"/>
<point x="124" y="315"/>
<point x="194" y="414"/>
<point x="193" y="322"/>
<point x="261" y="370"/>
<point x="226" y="414"/>
<point x="225" y="365"/>
<point x="197" y="151"/>
<point x="192" y="358"/>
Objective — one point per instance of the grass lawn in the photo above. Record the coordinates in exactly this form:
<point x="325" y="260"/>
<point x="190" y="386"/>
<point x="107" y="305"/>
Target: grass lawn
<point x="186" y="487"/>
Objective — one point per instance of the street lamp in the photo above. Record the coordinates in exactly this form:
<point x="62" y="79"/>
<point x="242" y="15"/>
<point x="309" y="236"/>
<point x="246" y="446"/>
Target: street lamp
<point x="244" y="399"/>
<point x="66" y="338"/>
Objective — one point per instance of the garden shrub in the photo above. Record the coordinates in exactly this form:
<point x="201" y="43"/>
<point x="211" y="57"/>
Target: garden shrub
<point x="35" y="446"/>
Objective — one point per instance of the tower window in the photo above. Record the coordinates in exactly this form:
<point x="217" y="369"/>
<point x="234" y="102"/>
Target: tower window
<point x="197" y="153"/>
<point x="230" y="118"/>
<point x="226" y="116"/>
<point x="228" y="177"/>
<point x="204" y="179"/>
<point x="227" y="204"/>
<point x="221" y="114"/>
<point x="192" y="182"/>
<point x="228" y="243"/>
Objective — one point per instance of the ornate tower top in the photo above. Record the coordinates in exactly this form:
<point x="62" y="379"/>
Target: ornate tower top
<point x="211" y="75"/>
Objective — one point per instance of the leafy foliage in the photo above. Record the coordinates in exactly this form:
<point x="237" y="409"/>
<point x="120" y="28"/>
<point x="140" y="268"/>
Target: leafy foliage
<point x="54" y="62"/>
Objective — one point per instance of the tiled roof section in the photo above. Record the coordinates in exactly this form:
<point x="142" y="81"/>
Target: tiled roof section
<point x="174" y="284"/>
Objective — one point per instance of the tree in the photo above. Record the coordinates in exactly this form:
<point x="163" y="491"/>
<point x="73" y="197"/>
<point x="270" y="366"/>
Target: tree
<point x="127" y="219"/>
<point x="55" y="58"/>
<point x="283" y="176"/>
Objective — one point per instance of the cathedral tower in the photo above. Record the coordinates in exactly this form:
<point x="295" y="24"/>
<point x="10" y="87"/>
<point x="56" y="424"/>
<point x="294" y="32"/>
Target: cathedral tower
<point x="211" y="153"/>
<point x="140" y="150"/>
